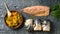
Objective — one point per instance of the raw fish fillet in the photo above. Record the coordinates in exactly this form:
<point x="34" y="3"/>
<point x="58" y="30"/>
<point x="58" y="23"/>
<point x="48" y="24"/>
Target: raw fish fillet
<point x="37" y="10"/>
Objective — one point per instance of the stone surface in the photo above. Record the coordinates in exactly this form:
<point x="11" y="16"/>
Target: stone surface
<point x="18" y="5"/>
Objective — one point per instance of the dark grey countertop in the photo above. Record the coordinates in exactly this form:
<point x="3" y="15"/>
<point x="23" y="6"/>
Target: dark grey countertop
<point x="19" y="4"/>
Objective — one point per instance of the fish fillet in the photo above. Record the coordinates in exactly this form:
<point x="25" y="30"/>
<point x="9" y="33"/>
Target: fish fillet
<point x="37" y="10"/>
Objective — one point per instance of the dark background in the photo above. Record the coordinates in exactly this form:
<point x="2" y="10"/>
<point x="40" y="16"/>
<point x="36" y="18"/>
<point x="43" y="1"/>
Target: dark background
<point x="20" y="4"/>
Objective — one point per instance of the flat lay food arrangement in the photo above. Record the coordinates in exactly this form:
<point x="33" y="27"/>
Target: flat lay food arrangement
<point x="14" y="19"/>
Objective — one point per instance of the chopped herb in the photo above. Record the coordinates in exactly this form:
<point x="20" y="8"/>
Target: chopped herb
<point x="56" y="11"/>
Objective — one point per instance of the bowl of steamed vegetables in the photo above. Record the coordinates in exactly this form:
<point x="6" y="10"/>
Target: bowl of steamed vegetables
<point x="14" y="20"/>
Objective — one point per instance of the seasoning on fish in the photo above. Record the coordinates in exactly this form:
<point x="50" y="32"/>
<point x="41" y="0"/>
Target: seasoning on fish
<point x="37" y="10"/>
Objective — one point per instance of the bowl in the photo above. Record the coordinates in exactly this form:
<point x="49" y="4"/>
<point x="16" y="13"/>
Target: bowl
<point x="9" y="21"/>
